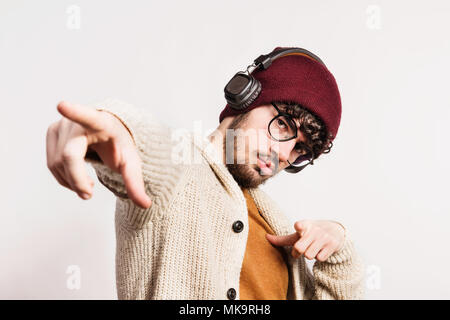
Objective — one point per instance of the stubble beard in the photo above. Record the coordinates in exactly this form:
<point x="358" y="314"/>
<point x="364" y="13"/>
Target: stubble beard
<point x="245" y="174"/>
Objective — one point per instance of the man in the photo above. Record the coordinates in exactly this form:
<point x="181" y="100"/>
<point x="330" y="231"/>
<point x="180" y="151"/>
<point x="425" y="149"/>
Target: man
<point x="203" y="229"/>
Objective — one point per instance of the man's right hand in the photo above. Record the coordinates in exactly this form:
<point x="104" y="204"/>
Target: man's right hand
<point x="82" y="128"/>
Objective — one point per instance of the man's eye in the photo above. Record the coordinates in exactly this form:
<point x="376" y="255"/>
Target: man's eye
<point x="299" y="149"/>
<point x="281" y="123"/>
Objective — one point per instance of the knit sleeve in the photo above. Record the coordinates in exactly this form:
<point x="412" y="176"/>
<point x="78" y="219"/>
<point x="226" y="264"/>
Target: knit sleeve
<point x="340" y="277"/>
<point x="156" y="146"/>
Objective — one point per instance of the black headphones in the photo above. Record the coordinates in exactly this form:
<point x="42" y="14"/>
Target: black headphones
<point x="243" y="88"/>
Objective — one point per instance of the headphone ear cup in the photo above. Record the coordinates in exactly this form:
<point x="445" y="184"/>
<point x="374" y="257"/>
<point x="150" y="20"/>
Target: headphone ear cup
<point x="253" y="96"/>
<point x="242" y="90"/>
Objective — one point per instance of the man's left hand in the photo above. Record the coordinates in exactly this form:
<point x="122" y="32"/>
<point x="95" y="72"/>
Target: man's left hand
<point x="315" y="239"/>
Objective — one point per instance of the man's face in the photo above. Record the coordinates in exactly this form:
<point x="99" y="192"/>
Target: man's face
<point x="252" y="156"/>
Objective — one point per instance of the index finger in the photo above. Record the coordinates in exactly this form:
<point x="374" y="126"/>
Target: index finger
<point x="287" y="240"/>
<point x="85" y="116"/>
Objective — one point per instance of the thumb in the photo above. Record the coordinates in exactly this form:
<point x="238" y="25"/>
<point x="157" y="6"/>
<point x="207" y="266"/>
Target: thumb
<point x="288" y="240"/>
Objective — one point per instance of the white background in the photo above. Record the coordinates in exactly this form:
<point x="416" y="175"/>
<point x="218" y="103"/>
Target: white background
<point x="386" y="178"/>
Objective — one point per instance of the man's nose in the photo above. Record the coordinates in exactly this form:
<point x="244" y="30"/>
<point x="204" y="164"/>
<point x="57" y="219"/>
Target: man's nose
<point x="282" y="149"/>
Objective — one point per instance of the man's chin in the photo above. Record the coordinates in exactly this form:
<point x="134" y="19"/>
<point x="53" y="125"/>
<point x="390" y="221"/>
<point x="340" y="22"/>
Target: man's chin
<point x="247" y="176"/>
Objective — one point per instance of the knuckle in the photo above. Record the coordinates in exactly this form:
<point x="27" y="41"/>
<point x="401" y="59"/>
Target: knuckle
<point x="334" y="243"/>
<point x="298" y="247"/>
<point x="316" y="229"/>
<point x="64" y="121"/>
<point x="55" y="125"/>
<point x="50" y="128"/>
<point x="64" y="184"/>
<point x="321" y="258"/>
<point x="65" y="158"/>
<point x="58" y="165"/>
<point x="67" y="155"/>
<point x="77" y="184"/>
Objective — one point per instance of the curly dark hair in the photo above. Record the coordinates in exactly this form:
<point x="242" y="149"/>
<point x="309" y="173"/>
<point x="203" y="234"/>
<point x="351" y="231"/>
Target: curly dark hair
<point x="318" y="138"/>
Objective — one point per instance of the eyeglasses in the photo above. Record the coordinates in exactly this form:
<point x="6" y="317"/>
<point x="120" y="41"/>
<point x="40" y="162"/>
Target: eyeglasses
<point x="283" y="128"/>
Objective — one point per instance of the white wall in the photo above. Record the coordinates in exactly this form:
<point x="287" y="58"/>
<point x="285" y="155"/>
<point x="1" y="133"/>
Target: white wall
<point x="386" y="178"/>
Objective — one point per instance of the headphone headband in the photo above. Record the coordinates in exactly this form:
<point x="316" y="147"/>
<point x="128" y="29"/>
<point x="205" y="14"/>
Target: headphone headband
<point x="243" y="88"/>
<point x="265" y="60"/>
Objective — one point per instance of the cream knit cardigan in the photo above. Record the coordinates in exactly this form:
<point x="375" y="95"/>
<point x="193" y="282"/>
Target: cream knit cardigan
<point x="183" y="246"/>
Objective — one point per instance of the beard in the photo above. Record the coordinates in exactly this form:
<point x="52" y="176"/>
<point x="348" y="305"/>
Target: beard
<point x="245" y="174"/>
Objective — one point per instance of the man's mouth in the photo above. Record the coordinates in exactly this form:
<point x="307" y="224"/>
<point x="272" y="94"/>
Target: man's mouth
<point x="265" y="166"/>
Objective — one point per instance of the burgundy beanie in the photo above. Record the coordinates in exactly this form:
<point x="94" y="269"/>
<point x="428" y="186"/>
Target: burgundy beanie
<point x="298" y="79"/>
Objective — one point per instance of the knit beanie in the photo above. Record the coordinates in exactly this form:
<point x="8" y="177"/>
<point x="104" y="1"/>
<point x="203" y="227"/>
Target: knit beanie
<point x="297" y="79"/>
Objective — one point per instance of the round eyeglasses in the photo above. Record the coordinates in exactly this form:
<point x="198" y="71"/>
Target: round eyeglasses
<point x="283" y="128"/>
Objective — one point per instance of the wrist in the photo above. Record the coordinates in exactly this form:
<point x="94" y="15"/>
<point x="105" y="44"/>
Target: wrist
<point x="119" y="122"/>
<point x="344" y="234"/>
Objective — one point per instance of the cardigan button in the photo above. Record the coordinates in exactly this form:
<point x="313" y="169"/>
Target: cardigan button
<point x="238" y="226"/>
<point x="231" y="294"/>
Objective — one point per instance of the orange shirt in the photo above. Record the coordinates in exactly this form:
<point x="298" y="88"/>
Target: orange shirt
<point x="264" y="273"/>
